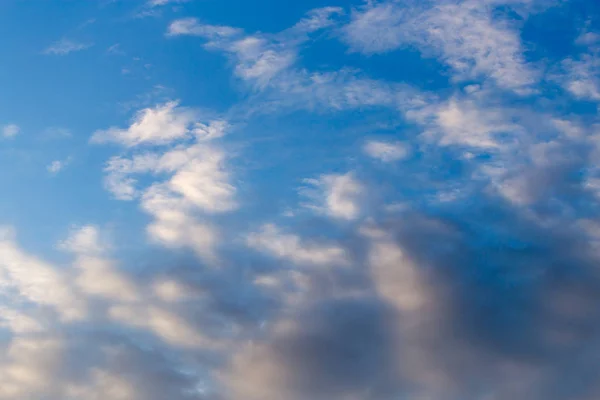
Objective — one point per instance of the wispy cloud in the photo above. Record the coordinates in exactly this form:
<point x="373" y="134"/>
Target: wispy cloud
<point x="463" y="35"/>
<point x="57" y="166"/>
<point x="580" y="76"/>
<point x="386" y="151"/>
<point x="65" y="46"/>
<point x="158" y="3"/>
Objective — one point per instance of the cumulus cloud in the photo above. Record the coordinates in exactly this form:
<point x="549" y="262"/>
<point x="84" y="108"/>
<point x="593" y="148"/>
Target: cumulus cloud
<point x="159" y="125"/>
<point x="197" y="182"/>
<point x="338" y="196"/>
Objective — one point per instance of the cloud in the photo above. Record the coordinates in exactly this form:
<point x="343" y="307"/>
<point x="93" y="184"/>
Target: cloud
<point x="263" y="61"/>
<point x="63" y="47"/>
<point x="386" y="151"/>
<point x="587" y="39"/>
<point x="308" y="355"/>
<point x="579" y="76"/>
<point x="461" y="121"/>
<point x="157" y="3"/>
<point x="463" y="35"/>
<point x="285" y="246"/>
<point x="167" y="326"/>
<point x="35" y="281"/>
<point x="192" y="27"/>
<point x="470" y="273"/>
<point x="82" y="368"/>
<point x="197" y="180"/>
<point x="58" y="165"/>
<point x="160" y="125"/>
<point x="335" y="195"/>
<point x="115" y="50"/>
<point x="10" y="131"/>
<point x="83" y="240"/>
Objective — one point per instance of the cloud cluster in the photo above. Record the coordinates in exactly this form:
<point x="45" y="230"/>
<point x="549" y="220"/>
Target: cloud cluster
<point x="457" y="261"/>
<point x="197" y="180"/>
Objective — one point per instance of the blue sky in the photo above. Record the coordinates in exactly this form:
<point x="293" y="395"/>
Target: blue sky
<point x="362" y="200"/>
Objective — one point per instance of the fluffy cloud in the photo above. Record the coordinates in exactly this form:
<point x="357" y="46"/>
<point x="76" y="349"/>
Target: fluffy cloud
<point x="338" y="196"/>
<point x="197" y="183"/>
<point x="160" y="125"/>
<point x="35" y="281"/>
<point x="464" y="122"/>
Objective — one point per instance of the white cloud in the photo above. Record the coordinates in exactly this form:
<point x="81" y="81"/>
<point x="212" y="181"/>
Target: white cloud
<point x="170" y="291"/>
<point x="158" y="3"/>
<point x="197" y="179"/>
<point x="464" y="122"/>
<point x="175" y="224"/>
<point x="166" y="325"/>
<point x="99" y="277"/>
<point x="57" y="165"/>
<point x="83" y="240"/>
<point x="396" y="278"/>
<point x="96" y="275"/>
<point x="268" y="64"/>
<point x="119" y="181"/>
<point x="588" y="39"/>
<point x="580" y="77"/>
<point x="103" y="385"/>
<point x="464" y="35"/>
<point x="65" y="46"/>
<point x="378" y="28"/>
<point x="317" y="19"/>
<point x="259" y="59"/>
<point x="27" y="368"/>
<point x="19" y="322"/>
<point x="338" y="196"/>
<point x="36" y="281"/>
<point x="191" y="26"/>
<point x="10" y="131"/>
<point x="386" y="151"/>
<point x="159" y="125"/>
<point x="286" y="246"/>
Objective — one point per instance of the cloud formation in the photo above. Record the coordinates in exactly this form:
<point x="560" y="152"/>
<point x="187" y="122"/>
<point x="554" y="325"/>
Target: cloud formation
<point x="462" y="34"/>
<point x="443" y="243"/>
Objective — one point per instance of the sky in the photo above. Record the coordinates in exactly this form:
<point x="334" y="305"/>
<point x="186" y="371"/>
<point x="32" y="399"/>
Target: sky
<point x="309" y="200"/>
